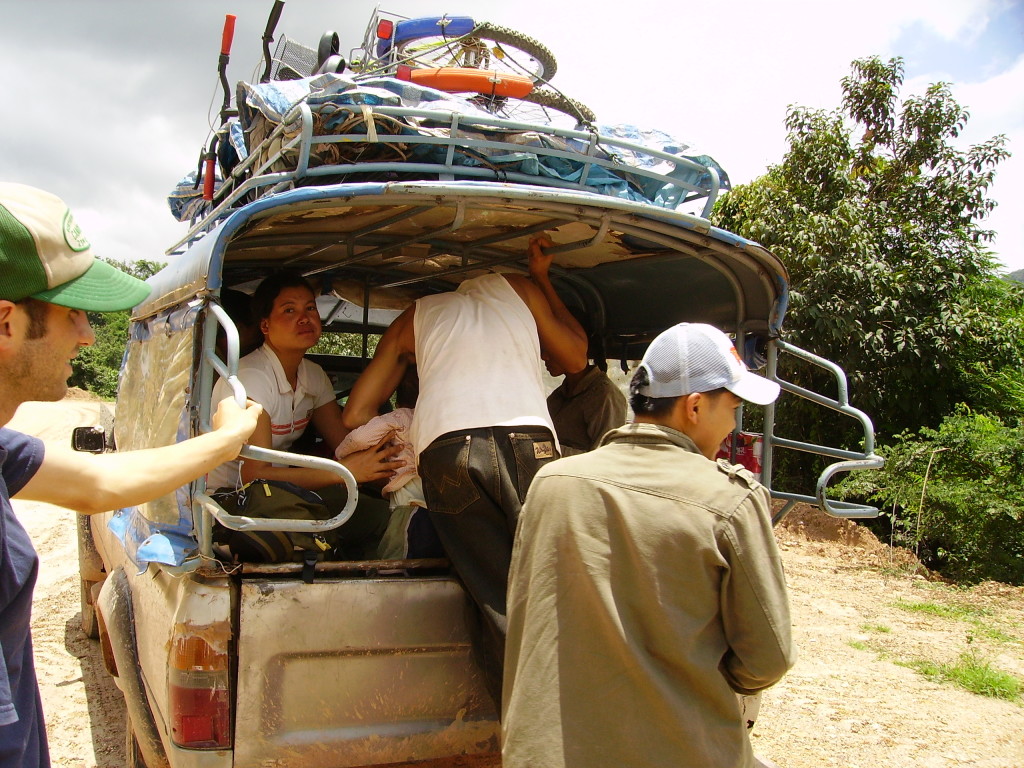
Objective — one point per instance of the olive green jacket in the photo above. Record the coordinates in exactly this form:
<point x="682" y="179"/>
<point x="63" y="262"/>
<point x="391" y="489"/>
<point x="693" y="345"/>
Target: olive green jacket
<point x="646" y="591"/>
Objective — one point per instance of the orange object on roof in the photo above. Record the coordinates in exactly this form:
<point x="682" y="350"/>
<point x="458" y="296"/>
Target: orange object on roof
<point x="466" y="79"/>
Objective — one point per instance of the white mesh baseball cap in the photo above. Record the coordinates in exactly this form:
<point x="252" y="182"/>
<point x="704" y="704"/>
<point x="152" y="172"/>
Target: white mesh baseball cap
<point x="694" y="357"/>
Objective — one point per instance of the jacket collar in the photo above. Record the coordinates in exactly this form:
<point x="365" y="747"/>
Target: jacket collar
<point x="650" y="434"/>
<point x="585" y="381"/>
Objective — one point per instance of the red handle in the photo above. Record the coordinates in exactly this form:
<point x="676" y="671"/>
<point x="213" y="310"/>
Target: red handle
<point x="208" y="172"/>
<point x="229" y="32"/>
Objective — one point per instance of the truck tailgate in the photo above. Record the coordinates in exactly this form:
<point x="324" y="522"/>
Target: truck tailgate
<point x="357" y="672"/>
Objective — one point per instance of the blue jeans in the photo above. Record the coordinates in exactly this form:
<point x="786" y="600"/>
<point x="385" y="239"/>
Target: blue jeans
<point x="474" y="484"/>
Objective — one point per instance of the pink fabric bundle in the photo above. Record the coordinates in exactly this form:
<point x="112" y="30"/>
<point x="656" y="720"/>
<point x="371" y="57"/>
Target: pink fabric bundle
<point x="373" y="431"/>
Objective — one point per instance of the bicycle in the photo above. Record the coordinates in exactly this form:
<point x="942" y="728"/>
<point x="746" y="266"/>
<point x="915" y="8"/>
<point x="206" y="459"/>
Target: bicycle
<point x="442" y="42"/>
<point x="500" y="70"/>
<point x="503" y="69"/>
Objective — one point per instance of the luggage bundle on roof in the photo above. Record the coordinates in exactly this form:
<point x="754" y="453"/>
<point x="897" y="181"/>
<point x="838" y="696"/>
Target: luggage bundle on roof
<point x="392" y="114"/>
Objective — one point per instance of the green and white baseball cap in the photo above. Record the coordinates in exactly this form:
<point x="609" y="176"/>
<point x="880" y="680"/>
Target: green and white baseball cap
<point x="45" y="256"/>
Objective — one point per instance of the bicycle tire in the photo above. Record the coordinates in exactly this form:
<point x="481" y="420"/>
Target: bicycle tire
<point x="485" y="31"/>
<point x="536" y="108"/>
<point x="561" y="103"/>
<point x="526" y="44"/>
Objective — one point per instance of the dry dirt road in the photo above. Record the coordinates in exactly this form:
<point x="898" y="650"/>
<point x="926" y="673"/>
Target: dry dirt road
<point x="850" y="701"/>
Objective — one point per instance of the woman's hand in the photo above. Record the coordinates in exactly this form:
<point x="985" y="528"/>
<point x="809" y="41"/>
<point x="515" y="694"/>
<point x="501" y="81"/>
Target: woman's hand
<point x="375" y="463"/>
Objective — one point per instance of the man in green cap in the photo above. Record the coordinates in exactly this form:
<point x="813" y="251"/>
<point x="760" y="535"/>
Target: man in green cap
<point x="49" y="279"/>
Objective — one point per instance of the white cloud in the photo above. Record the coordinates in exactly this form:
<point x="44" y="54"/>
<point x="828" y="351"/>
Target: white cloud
<point x="963" y="20"/>
<point x="997" y="107"/>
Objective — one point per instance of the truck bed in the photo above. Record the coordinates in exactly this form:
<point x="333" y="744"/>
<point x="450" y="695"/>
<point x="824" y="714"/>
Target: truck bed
<point x="387" y="677"/>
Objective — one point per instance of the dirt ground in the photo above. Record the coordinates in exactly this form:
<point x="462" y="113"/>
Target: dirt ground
<point x="848" y="702"/>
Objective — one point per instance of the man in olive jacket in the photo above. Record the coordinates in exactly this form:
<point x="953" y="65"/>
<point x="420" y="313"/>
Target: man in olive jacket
<point x="646" y="588"/>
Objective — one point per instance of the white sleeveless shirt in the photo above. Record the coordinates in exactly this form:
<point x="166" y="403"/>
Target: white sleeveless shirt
<point x="478" y="360"/>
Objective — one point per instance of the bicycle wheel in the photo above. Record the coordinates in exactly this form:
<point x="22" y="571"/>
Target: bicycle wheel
<point x="486" y="46"/>
<point x="562" y="103"/>
<point x="540" y="106"/>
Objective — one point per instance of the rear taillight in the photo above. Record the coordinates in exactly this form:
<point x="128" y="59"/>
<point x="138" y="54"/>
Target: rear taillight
<point x="199" y="687"/>
<point x="385" y="28"/>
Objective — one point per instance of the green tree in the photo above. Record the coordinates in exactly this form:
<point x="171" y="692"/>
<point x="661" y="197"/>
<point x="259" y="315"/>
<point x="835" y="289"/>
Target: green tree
<point x="955" y="496"/>
<point x="96" y="367"/>
<point x="878" y="217"/>
<point x="347" y="344"/>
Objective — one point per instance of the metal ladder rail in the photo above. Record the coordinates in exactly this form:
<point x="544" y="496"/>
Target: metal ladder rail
<point x="210" y="509"/>
<point x="849" y="460"/>
<point x="588" y="158"/>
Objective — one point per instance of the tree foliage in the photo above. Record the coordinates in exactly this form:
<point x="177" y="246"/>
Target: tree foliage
<point x="878" y="217"/>
<point x="955" y="495"/>
<point x="97" y="366"/>
<point x="346" y="344"/>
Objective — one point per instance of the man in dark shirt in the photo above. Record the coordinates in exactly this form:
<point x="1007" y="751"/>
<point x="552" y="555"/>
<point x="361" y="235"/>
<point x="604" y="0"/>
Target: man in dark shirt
<point x="49" y="279"/>
<point x="20" y="707"/>
<point x="583" y="407"/>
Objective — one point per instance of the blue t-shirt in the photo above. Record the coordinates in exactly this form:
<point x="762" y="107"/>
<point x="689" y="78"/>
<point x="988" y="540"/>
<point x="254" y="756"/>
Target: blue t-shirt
<point x="22" y="731"/>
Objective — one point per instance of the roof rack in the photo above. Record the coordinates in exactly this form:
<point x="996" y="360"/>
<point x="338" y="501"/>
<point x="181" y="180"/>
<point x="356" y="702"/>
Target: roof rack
<point x="424" y="144"/>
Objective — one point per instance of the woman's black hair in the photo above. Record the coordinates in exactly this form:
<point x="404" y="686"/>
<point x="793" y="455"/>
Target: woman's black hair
<point x="270" y="289"/>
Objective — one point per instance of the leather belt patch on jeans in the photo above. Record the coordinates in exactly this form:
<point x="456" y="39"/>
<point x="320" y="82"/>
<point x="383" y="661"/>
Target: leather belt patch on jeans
<point x="543" y="449"/>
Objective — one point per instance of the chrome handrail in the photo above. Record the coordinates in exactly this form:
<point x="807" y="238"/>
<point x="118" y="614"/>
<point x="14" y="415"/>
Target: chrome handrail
<point x="850" y="460"/>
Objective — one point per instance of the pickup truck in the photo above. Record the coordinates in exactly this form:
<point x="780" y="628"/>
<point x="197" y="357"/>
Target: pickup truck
<point x="337" y="664"/>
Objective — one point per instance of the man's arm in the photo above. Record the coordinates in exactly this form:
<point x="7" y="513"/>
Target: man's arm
<point x="93" y="483"/>
<point x="395" y="352"/>
<point x="559" y="340"/>
<point x="540" y="265"/>
<point x="755" y="604"/>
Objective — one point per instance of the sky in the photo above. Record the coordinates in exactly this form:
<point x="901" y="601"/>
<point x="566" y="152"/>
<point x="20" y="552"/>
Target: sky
<point x="108" y="103"/>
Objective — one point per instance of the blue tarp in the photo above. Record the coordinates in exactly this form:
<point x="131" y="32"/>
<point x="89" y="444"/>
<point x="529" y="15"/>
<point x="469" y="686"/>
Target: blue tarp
<point x="335" y="98"/>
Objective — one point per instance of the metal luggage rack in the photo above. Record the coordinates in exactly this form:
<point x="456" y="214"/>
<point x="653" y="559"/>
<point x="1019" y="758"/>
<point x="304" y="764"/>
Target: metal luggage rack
<point x="255" y="178"/>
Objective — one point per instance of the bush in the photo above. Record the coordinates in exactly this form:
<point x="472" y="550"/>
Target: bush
<point x="956" y="496"/>
<point x="96" y="367"/>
